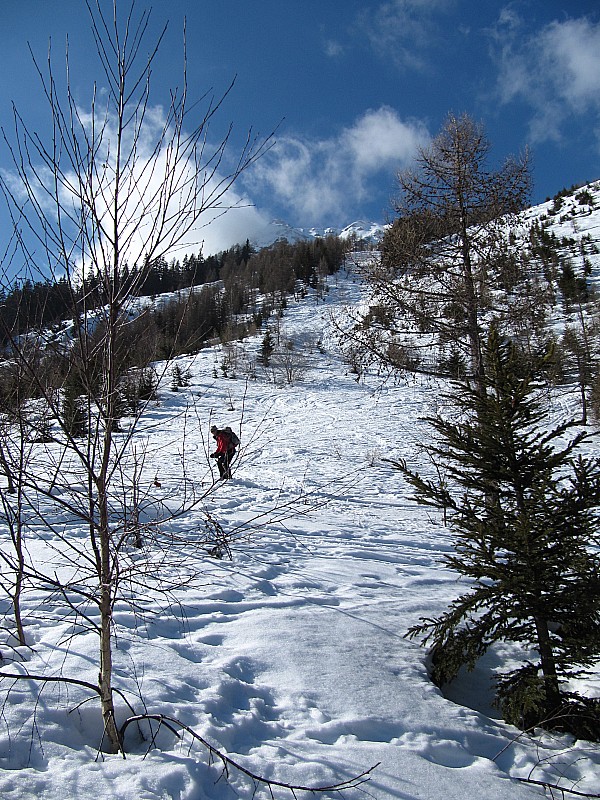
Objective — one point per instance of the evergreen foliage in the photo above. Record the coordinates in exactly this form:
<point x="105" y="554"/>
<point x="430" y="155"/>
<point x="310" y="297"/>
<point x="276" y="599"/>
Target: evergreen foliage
<point x="75" y="418"/>
<point x="138" y="388"/>
<point x="523" y="506"/>
<point x="179" y="378"/>
<point x="272" y="270"/>
<point x="266" y="349"/>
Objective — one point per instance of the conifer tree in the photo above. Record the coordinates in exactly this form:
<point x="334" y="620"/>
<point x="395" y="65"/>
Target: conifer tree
<point x="523" y="505"/>
<point x="266" y="349"/>
<point x="74" y="414"/>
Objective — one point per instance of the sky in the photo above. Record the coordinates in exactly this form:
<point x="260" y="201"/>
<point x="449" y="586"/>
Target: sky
<point x="352" y="88"/>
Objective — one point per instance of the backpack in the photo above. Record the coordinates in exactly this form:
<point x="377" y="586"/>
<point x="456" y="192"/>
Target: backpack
<point x="233" y="438"/>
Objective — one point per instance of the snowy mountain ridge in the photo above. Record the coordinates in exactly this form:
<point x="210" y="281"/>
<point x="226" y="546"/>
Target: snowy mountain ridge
<point x="556" y="211"/>
<point x="369" y="232"/>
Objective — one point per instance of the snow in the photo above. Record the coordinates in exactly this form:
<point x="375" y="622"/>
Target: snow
<point x="371" y="232"/>
<point x="290" y="657"/>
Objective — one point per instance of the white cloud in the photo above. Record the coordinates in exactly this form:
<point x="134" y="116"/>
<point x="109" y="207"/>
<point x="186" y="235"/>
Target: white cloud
<point x="333" y="49"/>
<point x="171" y="203"/>
<point x="556" y="72"/>
<point x="509" y="19"/>
<point x="571" y="53"/>
<point x="311" y="180"/>
<point x="242" y="221"/>
<point x="328" y="178"/>
<point x="380" y="140"/>
<point x="404" y="30"/>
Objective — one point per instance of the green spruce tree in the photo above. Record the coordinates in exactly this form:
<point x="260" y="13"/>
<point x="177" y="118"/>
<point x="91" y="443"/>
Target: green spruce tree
<point x="266" y="349"/>
<point x="75" y="418"/>
<point x="523" y="506"/>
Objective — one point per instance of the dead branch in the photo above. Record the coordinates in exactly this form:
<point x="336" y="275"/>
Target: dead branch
<point x="553" y="787"/>
<point x="62" y="679"/>
<point x="228" y="762"/>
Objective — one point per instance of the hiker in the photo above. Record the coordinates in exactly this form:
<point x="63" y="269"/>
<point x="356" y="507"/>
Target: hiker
<point x="227" y="442"/>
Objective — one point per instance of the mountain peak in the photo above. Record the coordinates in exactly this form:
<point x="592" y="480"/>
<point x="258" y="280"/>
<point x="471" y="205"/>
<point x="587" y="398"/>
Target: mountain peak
<point x="371" y="232"/>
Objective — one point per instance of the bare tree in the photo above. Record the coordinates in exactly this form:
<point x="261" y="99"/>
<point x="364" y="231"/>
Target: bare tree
<point x="442" y="255"/>
<point x="287" y="363"/>
<point x="19" y="430"/>
<point x="580" y="341"/>
<point x="91" y="200"/>
<point x="12" y="562"/>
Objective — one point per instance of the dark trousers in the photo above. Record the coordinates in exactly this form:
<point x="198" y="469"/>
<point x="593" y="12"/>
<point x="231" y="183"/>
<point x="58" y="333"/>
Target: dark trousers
<point x="224" y="465"/>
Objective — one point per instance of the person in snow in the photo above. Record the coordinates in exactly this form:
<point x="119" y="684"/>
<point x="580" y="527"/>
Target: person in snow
<point x="226" y="441"/>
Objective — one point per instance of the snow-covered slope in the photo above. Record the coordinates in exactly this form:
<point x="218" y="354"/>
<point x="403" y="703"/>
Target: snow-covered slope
<point x="574" y="216"/>
<point x="570" y="216"/>
<point x="291" y="656"/>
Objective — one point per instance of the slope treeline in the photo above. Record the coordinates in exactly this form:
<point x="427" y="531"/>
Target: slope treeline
<point x="251" y="282"/>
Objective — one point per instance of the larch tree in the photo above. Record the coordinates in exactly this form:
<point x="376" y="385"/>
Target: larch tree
<point x="445" y="253"/>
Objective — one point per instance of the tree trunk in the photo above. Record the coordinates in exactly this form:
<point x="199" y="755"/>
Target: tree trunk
<point x="105" y="676"/>
<point x="551" y="686"/>
<point x="16" y="600"/>
<point x="7" y="471"/>
<point x="472" y="308"/>
<point x="106" y="597"/>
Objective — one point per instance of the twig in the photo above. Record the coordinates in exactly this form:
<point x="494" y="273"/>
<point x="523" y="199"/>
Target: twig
<point x="554" y="787"/>
<point x="61" y="679"/>
<point x="227" y="762"/>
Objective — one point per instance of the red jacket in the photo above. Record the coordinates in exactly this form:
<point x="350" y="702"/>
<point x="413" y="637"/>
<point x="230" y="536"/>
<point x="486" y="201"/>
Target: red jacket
<point x="223" y="443"/>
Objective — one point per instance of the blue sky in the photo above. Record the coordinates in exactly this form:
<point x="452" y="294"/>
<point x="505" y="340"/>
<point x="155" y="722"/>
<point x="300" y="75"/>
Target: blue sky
<point x="354" y="86"/>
